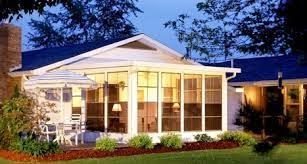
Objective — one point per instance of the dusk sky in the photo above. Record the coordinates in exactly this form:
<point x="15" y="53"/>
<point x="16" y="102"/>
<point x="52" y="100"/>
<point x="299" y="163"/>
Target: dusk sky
<point x="156" y="13"/>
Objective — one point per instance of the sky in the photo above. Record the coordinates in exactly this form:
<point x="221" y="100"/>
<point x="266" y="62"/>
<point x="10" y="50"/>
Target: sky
<point x="156" y="13"/>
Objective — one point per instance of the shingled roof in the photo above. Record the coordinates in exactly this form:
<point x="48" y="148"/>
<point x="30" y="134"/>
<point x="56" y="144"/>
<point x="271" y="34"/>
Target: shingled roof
<point x="38" y="58"/>
<point x="266" y="68"/>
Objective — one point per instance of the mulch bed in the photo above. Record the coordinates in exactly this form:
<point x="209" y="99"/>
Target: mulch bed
<point x="128" y="151"/>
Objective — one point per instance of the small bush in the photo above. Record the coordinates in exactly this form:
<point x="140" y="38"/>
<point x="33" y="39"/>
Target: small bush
<point x="172" y="141"/>
<point x="240" y="137"/>
<point x="106" y="144"/>
<point x="203" y="138"/>
<point x="288" y="140"/>
<point x="263" y="148"/>
<point x="141" y="141"/>
<point x="36" y="148"/>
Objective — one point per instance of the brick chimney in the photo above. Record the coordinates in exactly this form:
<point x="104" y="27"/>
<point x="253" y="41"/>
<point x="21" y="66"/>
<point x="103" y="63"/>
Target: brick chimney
<point x="10" y="57"/>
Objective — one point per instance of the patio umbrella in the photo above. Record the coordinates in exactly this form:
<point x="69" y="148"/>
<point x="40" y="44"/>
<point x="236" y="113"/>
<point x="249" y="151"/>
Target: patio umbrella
<point x="59" y="79"/>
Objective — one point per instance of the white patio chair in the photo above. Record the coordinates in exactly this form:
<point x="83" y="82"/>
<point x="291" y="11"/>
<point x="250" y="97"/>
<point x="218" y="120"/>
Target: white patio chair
<point x="62" y="137"/>
<point x="46" y="130"/>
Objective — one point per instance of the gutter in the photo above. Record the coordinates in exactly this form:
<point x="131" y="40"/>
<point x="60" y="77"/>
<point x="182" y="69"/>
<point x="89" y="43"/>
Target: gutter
<point x="234" y="73"/>
<point x="232" y="76"/>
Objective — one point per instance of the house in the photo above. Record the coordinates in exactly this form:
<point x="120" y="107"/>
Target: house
<point x="258" y="85"/>
<point x="143" y="86"/>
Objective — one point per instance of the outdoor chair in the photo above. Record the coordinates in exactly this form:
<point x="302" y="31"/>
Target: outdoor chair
<point x="47" y="130"/>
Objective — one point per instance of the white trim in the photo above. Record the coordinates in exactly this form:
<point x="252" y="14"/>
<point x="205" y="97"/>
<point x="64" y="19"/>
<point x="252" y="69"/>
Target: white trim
<point x="160" y="103"/>
<point x="224" y="103"/>
<point x="157" y="65"/>
<point x="181" y="102"/>
<point x="203" y="101"/>
<point x="15" y="68"/>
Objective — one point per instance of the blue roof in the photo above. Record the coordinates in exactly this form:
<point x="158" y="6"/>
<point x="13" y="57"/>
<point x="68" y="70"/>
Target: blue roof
<point x="266" y="68"/>
<point x="38" y="58"/>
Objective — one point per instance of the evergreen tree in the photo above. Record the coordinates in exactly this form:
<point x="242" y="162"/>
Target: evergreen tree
<point x="84" y="21"/>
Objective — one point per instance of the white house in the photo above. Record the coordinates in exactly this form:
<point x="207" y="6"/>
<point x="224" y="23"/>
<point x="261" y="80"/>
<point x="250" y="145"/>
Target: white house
<point x="143" y="87"/>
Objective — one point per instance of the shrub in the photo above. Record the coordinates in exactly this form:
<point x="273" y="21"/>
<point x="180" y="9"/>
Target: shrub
<point x="141" y="141"/>
<point x="240" y="137"/>
<point x="106" y="144"/>
<point x="203" y="138"/>
<point x="263" y="148"/>
<point x="288" y="139"/>
<point x="20" y="114"/>
<point x="172" y="141"/>
<point x="35" y="148"/>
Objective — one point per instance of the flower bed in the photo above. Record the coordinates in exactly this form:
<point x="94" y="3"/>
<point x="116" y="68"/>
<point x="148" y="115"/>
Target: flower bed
<point x="81" y="154"/>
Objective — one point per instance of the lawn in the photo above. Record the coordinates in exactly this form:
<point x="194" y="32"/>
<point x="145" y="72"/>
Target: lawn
<point x="294" y="154"/>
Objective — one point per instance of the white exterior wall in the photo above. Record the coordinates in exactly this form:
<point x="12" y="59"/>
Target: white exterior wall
<point x="234" y="103"/>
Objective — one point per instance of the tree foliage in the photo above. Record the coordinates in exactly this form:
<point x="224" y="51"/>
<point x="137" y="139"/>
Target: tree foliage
<point x="21" y="114"/>
<point x="15" y="8"/>
<point x="229" y="27"/>
<point x="84" y="21"/>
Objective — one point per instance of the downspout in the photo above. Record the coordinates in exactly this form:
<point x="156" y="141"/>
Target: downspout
<point x="234" y="74"/>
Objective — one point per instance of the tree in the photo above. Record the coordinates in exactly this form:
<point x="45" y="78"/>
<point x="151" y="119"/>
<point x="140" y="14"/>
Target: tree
<point x="231" y="27"/>
<point x="22" y="114"/>
<point x="84" y="21"/>
<point x="14" y="8"/>
<point x="294" y="12"/>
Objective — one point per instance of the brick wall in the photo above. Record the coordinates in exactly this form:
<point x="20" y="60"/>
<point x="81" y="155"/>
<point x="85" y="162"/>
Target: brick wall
<point x="10" y="57"/>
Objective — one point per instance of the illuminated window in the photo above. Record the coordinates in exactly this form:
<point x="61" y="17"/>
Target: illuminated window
<point x="118" y="102"/>
<point x="213" y="107"/>
<point x="192" y="102"/>
<point x="95" y="104"/>
<point x="171" y="102"/>
<point x="293" y="102"/>
<point x="76" y="100"/>
<point x="147" y="101"/>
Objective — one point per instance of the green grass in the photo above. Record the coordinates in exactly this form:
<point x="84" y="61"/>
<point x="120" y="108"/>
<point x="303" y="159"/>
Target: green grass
<point x="293" y="154"/>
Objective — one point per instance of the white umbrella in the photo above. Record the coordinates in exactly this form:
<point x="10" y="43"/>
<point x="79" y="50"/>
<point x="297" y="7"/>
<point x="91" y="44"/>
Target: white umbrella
<point x="59" y="79"/>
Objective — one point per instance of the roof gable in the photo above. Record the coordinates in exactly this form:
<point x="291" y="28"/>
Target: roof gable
<point x="50" y="58"/>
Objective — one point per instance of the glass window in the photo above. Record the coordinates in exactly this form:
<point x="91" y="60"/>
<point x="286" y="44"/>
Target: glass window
<point x="192" y="102"/>
<point x="147" y="101"/>
<point x="292" y="102"/>
<point x="171" y="102"/>
<point x="76" y="100"/>
<point x="118" y="102"/>
<point x="95" y="104"/>
<point x="213" y="106"/>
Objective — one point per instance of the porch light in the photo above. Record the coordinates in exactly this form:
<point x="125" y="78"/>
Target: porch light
<point x="176" y="107"/>
<point x="117" y="108"/>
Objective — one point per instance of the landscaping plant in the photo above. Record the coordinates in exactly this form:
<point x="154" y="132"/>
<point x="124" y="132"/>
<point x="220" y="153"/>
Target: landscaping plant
<point x="172" y="141"/>
<point x="141" y="141"/>
<point x="34" y="147"/>
<point x="242" y="138"/>
<point x="203" y="138"/>
<point x="263" y="148"/>
<point x="21" y="114"/>
<point x="106" y="144"/>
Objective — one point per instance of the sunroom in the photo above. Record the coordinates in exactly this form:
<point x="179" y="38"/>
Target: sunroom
<point x="142" y="86"/>
<point x="135" y="97"/>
